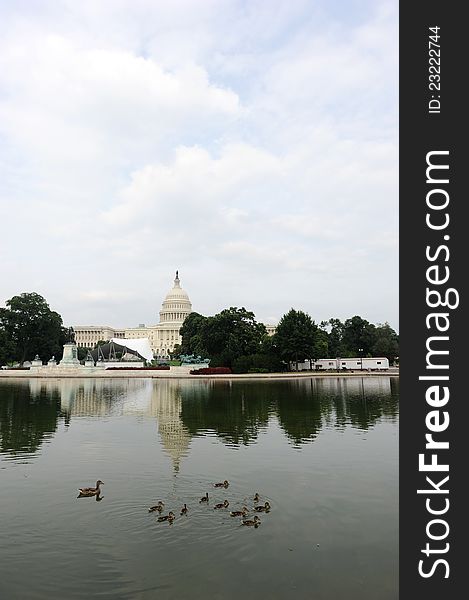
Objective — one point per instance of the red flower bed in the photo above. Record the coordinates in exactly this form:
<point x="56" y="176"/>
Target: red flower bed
<point x="212" y="371"/>
<point x="162" y="368"/>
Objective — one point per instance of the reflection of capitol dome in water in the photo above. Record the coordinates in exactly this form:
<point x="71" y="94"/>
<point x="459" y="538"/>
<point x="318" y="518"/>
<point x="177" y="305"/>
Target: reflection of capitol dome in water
<point x="103" y="398"/>
<point x="166" y="406"/>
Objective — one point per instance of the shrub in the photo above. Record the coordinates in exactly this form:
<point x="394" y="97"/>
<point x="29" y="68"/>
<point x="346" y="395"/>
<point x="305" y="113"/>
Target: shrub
<point x="242" y="364"/>
<point x="257" y="363"/>
<point x="211" y="371"/>
<point x="160" y="368"/>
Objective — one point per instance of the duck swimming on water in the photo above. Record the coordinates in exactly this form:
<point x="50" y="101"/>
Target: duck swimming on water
<point x="223" y="504"/>
<point x="252" y="522"/>
<point x="169" y="517"/>
<point x="204" y="498"/>
<point x="158" y="506"/>
<point x="264" y="508"/>
<point x="91" y="491"/>
<point x="239" y="513"/>
<point x="224" y="484"/>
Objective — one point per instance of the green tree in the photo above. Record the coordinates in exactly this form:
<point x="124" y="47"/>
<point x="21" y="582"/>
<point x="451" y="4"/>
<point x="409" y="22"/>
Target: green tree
<point x="100" y="343"/>
<point x="191" y="333"/>
<point x="176" y="352"/>
<point x="82" y="353"/>
<point x="334" y="329"/>
<point x="31" y="328"/>
<point x="297" y="337"/>
<point x="266" y="360"/>
<point x="7" y="348"/>
<point x="358" y="337"/>
<point x="232" y="333"/>
<point x="321" y="344"/>
<point x="386" y="342"/>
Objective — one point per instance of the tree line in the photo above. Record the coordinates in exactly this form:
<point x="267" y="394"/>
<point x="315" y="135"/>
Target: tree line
<point x="232" y="338"/>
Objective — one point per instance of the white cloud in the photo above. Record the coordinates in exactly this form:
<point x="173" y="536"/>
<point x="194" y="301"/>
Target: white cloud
<point x="255" y="149"/>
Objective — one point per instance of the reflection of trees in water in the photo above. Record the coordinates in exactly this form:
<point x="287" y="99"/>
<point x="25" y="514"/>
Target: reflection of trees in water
<point x="338" y="402"/>
<point x="25" y="419"/>
<point x="368" y="401"/>
<point x="236" y="413"/>
<point x="301" y="410"/>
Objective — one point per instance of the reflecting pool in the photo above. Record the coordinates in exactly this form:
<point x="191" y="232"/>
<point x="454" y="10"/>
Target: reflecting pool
<point x="322" y="451"/>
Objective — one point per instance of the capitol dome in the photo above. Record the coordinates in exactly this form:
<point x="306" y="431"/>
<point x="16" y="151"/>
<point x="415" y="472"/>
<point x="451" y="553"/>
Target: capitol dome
<point x="176" y="305"/>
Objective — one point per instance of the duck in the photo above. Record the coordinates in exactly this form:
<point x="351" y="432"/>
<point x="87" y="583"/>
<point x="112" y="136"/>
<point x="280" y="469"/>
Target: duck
<point x="223" y="504"/>
<point x="158" y="506"/>
<point x="91" y="491"/>
<point x="256" y="497"/>
<point x="184" y="510"/>
<point x="169" y="517"/>
<point x="204" y="498"/>
<point x="252" y="522"/>
<point x="239" y="513"/>
<point x="224" y="484"/>
<point x="264" y="508"/>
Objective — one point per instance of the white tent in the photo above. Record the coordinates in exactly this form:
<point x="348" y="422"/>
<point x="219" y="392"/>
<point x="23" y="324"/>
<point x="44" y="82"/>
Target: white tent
<point x="140" y="345"/>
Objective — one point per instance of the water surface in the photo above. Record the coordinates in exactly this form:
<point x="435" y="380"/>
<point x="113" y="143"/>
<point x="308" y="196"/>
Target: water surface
<point x="323" y="452"/>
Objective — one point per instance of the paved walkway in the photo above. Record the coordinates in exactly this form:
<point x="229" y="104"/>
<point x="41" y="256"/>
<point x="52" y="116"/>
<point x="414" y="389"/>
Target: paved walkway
<point x="57" y="373"/>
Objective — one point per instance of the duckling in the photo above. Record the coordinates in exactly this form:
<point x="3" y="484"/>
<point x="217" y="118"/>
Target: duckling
<point x="169" y="517"/>
<point x="91" y="491"/>
<point x="256" y="497"/>
<point x="184" y="510"/>
<point x="204" y="498"/>
<point x="223" y="504"/>
<point x="159" y="507"/>
<point x="224" y="484"/>
<point x="252" y="522"/>
<point x="239" y="513"/>
<point x="264" y="508"/>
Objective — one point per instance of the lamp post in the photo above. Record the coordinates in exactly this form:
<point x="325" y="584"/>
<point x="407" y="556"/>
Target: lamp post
<point x="361" y="358"/>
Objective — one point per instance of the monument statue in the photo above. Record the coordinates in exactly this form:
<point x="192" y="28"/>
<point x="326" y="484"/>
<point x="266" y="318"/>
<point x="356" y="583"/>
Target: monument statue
<point x="70" y="353"/>
<point x="71" y="336"/>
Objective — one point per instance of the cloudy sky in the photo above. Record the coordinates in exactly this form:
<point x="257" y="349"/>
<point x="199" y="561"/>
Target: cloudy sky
<point x="251" y="145"/>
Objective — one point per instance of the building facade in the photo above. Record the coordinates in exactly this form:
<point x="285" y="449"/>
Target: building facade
<point x="87" y="336"/>
<point x="163" y="336"/>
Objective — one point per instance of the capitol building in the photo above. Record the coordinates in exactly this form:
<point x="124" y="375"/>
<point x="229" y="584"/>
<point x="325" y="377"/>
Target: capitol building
<point x="163" y="336"/>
